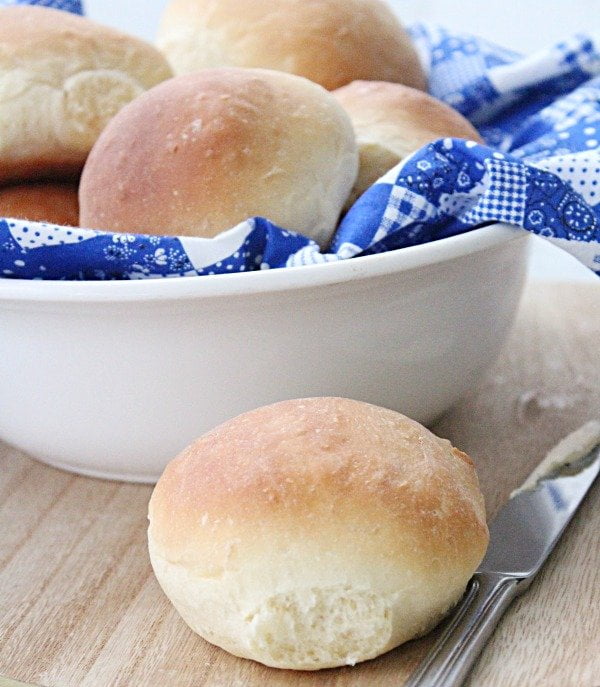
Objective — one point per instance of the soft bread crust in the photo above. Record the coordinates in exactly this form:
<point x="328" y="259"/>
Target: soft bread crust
<point x="316" y="532"/>
<point x="202" y="152"/>
<point x="392" y="121"/>
<point x="62" y="77"/>
<point x="54" y="203"/>
<point x="331" y="42"/>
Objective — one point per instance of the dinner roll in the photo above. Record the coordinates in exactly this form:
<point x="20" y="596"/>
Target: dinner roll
<point x="62" y="77"/>
<point x="316" y="533"/>
<point x="202" y="152"/>
<point x="331" y="42"/>
<point x="42" y="202"/>
<point x="391" y="121"/>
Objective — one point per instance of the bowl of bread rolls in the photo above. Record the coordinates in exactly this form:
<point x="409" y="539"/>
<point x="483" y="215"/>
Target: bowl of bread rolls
<point x="288" y="111"/>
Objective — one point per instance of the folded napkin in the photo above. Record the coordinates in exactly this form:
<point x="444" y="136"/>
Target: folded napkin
<point x="540" y="170"/>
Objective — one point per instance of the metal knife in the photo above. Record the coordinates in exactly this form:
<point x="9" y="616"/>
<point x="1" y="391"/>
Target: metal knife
<point x="521" y="538"/>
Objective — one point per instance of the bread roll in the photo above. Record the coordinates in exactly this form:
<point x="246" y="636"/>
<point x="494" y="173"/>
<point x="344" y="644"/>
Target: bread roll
<point x="331" y="42"/>
<point x="391" y="121"/>
<point x="316" y="533"/>
<point x="62" y="77"/>
<point x="43" y="202"/>
<point x="202" y="152"/>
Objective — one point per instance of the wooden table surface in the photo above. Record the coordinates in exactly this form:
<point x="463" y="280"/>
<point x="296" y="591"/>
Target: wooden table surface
<point x="79" y="605"/>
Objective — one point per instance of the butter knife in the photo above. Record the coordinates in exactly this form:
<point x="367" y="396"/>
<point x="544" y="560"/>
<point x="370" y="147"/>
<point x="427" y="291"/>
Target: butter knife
<point x="522" y="537"/>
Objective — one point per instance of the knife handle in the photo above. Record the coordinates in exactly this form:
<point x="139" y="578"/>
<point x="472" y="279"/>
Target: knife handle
<point x="466" y="632"/>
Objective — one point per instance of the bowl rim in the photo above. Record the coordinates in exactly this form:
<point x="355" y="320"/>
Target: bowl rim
<point x="261" y="281"/>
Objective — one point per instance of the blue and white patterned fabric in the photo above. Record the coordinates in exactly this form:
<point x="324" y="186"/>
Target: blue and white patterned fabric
<point x="75" y="6"/>
<point x="540" y="170"/>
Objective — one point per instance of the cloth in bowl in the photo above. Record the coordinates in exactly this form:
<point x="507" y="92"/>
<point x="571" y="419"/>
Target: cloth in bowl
<point x="540" y="170"/>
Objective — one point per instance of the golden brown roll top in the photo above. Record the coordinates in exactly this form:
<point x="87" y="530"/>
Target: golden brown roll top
<point x="62" y="77"/>
<point x="55" y="203"/>
<point x="392" y="121"/>
<point x="202" y="152"/>
<point x="316" y="532"/>
<point x="331" y="42"/>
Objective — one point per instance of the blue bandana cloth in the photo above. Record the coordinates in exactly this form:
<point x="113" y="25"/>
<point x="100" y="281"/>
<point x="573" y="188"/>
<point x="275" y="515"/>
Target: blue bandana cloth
<point x="75" y="6"/>
<point x="539" y="170"/>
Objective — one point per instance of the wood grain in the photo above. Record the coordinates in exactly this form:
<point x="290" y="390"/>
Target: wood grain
<point x="79" y="605"/>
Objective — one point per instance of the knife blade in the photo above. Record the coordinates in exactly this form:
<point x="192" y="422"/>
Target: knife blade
<point x="522" y="536"/>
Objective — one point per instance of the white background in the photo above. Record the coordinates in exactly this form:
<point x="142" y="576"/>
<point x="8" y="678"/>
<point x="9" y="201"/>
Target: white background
<point x="524" y="25"/>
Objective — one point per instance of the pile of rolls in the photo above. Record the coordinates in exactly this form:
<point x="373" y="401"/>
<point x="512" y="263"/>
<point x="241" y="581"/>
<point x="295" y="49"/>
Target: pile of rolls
<point x="283" y="108"/>
<point x="312" y="533"/>
<point x="62" y="78"/>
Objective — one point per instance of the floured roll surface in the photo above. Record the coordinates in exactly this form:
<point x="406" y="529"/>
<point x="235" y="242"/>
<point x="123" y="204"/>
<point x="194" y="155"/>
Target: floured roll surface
<point x="392" y="121"/>
<point x="202" y="152"/>
<point x="331" y="42"/>
<point x="316" y="533"/>
<point x="62" y="77"/>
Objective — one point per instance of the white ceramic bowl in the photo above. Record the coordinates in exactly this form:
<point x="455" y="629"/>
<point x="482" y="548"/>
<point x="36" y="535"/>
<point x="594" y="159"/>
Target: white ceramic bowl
<point x="112" y="379"/>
